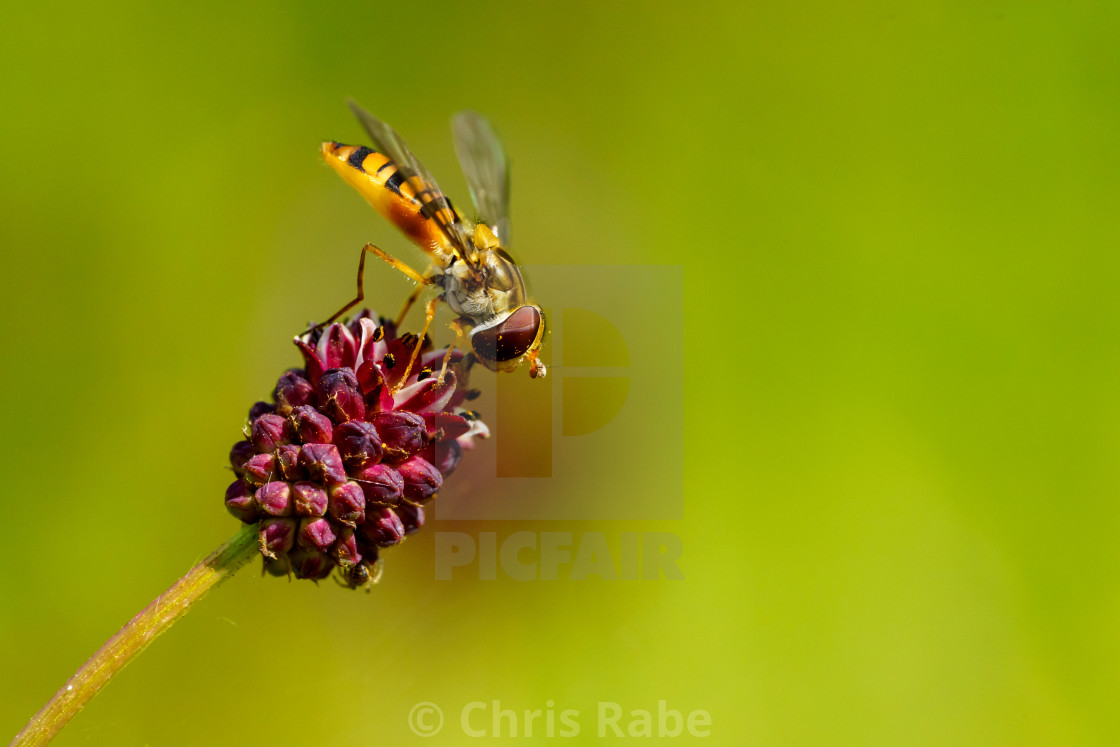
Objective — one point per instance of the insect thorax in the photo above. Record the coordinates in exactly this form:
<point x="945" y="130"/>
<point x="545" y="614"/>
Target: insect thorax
<point x="481" y="294"/>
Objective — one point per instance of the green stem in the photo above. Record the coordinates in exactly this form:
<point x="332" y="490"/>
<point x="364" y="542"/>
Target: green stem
<point x="134" y="637"/>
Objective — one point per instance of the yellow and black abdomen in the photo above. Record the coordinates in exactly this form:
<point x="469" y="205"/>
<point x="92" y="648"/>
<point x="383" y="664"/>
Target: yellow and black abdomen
<point x="377" y="178"/>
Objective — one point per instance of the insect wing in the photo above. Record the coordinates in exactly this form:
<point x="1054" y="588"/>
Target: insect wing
<point x="436" y="205"/>
<point x="484" y="164"/>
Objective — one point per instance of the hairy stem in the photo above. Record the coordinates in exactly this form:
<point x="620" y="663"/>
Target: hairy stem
<point x="134" y="637"/>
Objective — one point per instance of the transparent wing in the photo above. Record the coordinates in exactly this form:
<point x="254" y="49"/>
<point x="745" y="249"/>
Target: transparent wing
<point x="436" y="205"/>
<point x="484" y="164"/>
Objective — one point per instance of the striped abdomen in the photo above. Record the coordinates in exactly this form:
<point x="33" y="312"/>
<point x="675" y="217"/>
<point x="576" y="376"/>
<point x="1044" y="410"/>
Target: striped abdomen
<point x="418" y="211"/>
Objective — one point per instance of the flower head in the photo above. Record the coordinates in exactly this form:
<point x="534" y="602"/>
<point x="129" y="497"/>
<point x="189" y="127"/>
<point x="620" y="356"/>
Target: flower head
<point x="340" y="464"/>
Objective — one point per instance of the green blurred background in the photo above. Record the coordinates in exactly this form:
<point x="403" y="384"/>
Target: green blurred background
<point x="898" y="226"/>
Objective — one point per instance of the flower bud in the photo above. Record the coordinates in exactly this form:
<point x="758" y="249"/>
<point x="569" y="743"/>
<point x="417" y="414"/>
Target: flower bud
<point x="292" y="391"/>
<point x="402" y="433"/>
<point x="308" y="499"/>
<point x="358" y="443"/>
<point x="383" y="528"/>
<point x="287" y="462"/>
<point x="445" y="425"/>
<point x="239" y="502"/>
<point x="311" y="426"/>
<point x="345" y="550"/>
<point x="412" y="517"/>
<point x="270" y="431"/>
<point x="443" y="455"/>
<point x="311" y="563"/>
<point x="425" y="395"/>
<point x="322" y="462"/>
<point x="347" y="503"/>
<point x="275" y="498"/>
<point x="337" y="346"/>
<point x="316" y="533"/>
<point x="369" y="376"/>
<point x="382" y="484"/>
<point x="260" y="469"/>
<point x="421" y="479"/>
<point x="277" y="536"/>
<point x="260" y="408"/>
<point x="239" y="454"/>
<point x="370" y="350"/>
<point x="340" y="396"/>
<point x="279" y="566"/>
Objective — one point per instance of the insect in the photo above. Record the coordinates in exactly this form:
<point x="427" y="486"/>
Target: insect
<point x="361" y="574"/>
<point x="469" y="263"/>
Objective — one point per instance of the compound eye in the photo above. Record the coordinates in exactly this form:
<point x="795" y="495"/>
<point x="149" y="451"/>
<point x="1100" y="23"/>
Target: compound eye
<point x="509" y="339"/>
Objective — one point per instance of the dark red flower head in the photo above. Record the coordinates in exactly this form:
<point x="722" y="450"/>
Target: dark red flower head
<point x="341" y="462"/>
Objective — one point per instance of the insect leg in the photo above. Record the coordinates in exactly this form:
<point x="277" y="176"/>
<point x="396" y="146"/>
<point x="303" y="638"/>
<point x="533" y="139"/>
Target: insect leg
<point x="428" y="273"/>
<point x="408" y="305"/>
<point x="397" y="264"/>
<point x="361" y="281"/>
<point x="450" y="349"/>
<point x="429" y="314"/>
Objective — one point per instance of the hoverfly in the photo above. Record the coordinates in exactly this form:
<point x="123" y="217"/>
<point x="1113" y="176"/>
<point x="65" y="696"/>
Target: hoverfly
<point x="477" y="277"/>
